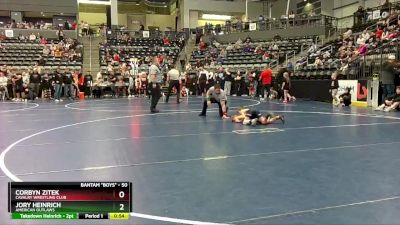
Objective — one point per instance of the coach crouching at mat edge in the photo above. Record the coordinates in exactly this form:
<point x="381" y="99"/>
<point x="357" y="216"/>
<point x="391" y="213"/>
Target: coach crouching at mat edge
<point x="155" y="79"/>
<point x="218" y="96"/>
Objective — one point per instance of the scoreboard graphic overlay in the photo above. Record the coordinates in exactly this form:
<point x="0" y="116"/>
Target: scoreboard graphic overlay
<point x="69" y="200"/>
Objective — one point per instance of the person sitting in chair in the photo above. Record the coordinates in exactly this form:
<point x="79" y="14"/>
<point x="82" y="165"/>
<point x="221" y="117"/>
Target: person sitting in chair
<point x="391" y="102"/>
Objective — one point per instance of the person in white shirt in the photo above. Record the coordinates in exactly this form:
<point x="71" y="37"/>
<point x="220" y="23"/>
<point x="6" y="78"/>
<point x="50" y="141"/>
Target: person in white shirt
<point x="134" y="66"/>
<point x="210" y="79"/>
<point x="360" y="40"/>
<point x="347" y="34"/>
<point x="32" y="37"/>
<point x="131" y="85"/>
<point x="46" y="51"/>
<point x="173" y="80"/>
<point x="313" y="48"/>
<point x="216" y="95"/>
<point x="229" y="47"/>
<point x="365" y="35"/>
<point x="3" y="86"/>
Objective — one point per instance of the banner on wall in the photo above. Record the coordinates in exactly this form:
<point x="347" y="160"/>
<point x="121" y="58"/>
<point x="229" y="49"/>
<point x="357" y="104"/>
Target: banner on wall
<point x="358" y="89"/>
<point x="376" y="14"/>
<point x="252" y="26"/>
<point x="9" y="33"/>
<point x="146" y="34"/>
<point x="362" y="90"/>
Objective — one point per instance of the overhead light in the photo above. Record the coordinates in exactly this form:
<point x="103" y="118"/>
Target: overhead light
<point x="61" y="13"/>
<point x="216" y="17"/>
<point x="165" y="6"/>
<point x="107" y="2"/>
<point x="41" y="12"/>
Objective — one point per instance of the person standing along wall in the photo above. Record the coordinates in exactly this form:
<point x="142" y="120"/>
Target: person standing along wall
<point x="227" y="82"/>
<point x="387" y="77"/>
<point x="67" y="80"/>
<point x="58" y="82"/>
<point x="34" y="84"/>
<point x="266" y="81"/>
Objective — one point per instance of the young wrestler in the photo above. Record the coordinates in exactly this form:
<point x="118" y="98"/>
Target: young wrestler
<point x="254" y="117"/>
<point x="131" y="86"/>
<point x="286" y="85"/>
<point x="269" y="119"/>
<point x="392" y="102"/>
<point x="252" y="86"/>
<point x="143" y="83"/>
<point x="334" y="89"/>
<point x="242" y="115"/>
<point x="345" y="98"/>
<point x="137" y="85"/>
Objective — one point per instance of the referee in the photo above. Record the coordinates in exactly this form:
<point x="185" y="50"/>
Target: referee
<point x="155" y="79"/>
<point x="173" y="80"/>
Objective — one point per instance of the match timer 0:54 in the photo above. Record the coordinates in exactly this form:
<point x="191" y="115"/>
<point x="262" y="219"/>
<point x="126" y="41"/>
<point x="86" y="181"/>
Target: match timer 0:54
<point x="119" y="216"/>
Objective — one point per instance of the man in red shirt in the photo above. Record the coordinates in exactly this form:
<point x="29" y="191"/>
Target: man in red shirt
<point x="202" y="45"/>
<point x="74" y="25"/>
<point x="166" y="41"/>
<point x="266" y="81"/>
<point x="378" y="33"/>
<point x="116" y="57"/>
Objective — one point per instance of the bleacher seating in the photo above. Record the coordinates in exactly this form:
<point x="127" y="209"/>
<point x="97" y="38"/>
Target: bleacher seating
<point x="24" y="54"/>
<point x="241" y="58"/>
<point x="136" y="48"/>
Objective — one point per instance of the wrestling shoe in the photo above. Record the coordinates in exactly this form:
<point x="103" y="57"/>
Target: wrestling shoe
<point x="225" y="117"/>
<point x="254" y="122"/>
<point x="282" y="118"/>
<point x="201" y="114"/>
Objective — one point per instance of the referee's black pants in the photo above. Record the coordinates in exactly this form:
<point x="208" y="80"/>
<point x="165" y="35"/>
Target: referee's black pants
<point x="172" y="84"/>
<point x="155" y="92"/>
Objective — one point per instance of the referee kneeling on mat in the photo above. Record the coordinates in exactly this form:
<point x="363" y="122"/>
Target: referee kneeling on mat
<point x="216" y="95"/>
<point x="173" y="80"/>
